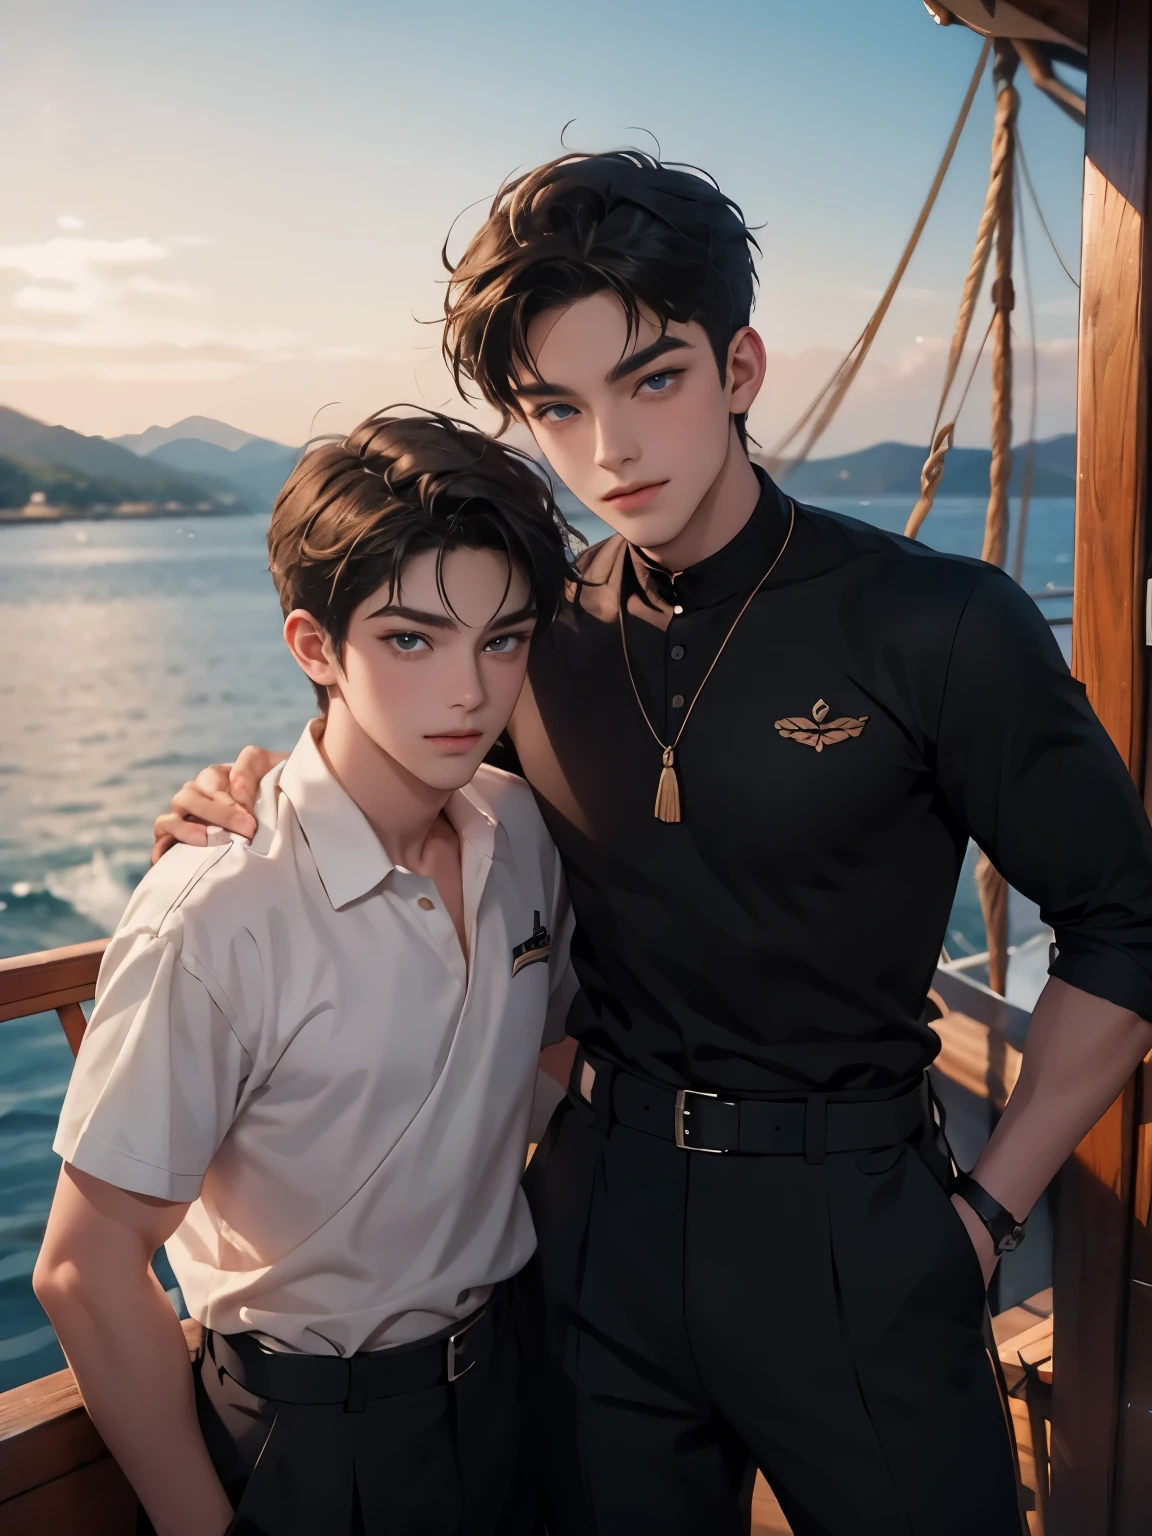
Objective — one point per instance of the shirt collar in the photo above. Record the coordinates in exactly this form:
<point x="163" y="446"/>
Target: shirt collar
<point x="733" y="570"/>
<point x="350" y="859"/>
<point x="472" y="815"/>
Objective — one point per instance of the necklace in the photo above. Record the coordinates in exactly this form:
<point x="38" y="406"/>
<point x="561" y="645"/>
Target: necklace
<point x="667" y="806"/>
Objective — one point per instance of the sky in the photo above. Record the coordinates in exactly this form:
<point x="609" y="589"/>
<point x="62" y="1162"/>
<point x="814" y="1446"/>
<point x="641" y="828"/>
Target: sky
<point x="237" y="209"/>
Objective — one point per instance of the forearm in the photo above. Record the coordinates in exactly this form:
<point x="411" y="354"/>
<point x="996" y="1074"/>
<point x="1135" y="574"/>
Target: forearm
<point x="1080" y="1052"/>
<point x="130" y="1359"/>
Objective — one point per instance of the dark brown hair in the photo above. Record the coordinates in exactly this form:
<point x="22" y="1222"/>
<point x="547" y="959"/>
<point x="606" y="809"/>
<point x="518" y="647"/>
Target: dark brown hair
<point x="662" y="238"/>
<point x="353" y="512"/>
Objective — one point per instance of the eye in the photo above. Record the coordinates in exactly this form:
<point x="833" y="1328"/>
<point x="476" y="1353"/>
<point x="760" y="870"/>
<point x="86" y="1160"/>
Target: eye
<point x="406" y="642"/>
<point x="657" y="383"/>
<point x="566" y="412"/>
<point x="503" y="645"/>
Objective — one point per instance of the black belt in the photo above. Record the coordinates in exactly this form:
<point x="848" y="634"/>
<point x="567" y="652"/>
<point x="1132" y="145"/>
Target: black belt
<point x="699" y="1121"/>
<point x="352" y="1380"/>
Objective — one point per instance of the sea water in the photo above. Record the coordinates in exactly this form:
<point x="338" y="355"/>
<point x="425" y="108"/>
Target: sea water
<point x="134" y="653"/>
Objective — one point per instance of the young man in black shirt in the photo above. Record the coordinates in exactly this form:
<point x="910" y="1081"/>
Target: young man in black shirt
<point x="762" y="736"/>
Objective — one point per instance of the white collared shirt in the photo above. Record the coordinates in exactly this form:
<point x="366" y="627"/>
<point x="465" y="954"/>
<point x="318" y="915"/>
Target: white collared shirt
<point x="287" y="1034"/>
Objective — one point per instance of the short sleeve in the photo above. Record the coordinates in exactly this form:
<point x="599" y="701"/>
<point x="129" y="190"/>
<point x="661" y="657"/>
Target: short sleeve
<point x="1031" y="774"/>
<point x="156" y="1082"/>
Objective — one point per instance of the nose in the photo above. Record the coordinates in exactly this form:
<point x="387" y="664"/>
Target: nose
<point x="616" y="445"/>
<point x="466" y="686"/>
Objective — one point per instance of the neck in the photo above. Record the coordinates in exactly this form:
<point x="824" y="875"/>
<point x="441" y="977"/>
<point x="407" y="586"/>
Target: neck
<point x="402" y="809"/>
<point x="727" y="505"/>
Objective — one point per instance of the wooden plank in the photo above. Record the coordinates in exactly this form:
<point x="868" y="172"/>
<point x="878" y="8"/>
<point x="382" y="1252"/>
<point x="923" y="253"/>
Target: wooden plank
<point x="48" y="1002"/>
<point x="1108" y="604"/>
<point x="35" y="983"/>
<point x="73" y="1023"/>
<point x="1093" y="1227"/>
<point x="46" y="1435"/>
<point x="1059" y="20"/>
<point x="95" y="1500"/>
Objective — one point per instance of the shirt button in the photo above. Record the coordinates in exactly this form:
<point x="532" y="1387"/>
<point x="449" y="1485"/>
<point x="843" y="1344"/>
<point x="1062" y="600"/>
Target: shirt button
<point x="677" y="609"/>
<point x="677" y="701"/>
<point x="677" y="653"/>
<point x="425" y="905"/>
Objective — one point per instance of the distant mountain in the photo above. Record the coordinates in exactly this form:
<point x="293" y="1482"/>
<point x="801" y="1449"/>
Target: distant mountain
<point x="109" y="472"/>
<point x="60" y="486"/>
<point x="893" y="469"/>
<point x="257" y="469"/>
<point x="205" y="428"/>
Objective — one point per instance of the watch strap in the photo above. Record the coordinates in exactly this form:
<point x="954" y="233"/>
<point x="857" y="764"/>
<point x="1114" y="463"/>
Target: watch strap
<point x="1005" y="1231"/>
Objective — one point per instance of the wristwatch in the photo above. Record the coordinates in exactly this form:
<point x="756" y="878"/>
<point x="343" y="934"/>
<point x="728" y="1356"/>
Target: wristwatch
<point x="1005" y="1231"/>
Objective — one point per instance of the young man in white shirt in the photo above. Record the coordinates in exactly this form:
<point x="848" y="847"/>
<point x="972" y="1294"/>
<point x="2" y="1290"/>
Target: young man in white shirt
<point x="310" y="1065"/>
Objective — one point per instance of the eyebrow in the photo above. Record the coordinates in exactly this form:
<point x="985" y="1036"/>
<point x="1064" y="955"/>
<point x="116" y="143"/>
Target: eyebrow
<point x="445" y="621"/>
<point x="637" y="360"/>
<point x="630" y="364"/>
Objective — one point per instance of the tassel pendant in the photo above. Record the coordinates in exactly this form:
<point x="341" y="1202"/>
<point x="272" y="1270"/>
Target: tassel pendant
<point x="668" y="791"/>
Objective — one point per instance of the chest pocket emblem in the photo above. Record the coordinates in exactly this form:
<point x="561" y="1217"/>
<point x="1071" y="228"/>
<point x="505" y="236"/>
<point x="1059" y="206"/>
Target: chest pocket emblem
<point x="820" y="732"/>
<point x="538" y="946"/>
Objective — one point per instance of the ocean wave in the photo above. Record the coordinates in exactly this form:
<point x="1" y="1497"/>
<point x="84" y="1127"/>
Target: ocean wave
<point x="27" y="1343"/>
<point x="18" y="1266"/>
<point x="97" y="891"/>
<point x="27" y="1113"/>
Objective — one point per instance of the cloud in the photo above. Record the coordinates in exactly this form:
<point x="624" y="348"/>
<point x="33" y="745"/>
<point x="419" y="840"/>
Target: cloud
<point x="339" y="353"/>
<point x="114" y="308"/>
<point x="190" y="370"/>
<point x="109" y="290"/>
<point x="69" y="221"/>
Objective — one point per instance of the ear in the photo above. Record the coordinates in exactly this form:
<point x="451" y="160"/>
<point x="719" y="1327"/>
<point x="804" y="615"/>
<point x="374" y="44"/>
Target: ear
<point x="309" y="643"/>
<point x="747" y="364"/>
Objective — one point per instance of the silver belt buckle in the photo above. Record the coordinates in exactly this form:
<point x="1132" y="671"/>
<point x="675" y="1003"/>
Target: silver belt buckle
<point x="678" y="1120"/>
<point x="453" y="1373"/>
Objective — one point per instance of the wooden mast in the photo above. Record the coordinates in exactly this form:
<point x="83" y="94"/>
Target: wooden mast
<point x="1102" y="1427"/>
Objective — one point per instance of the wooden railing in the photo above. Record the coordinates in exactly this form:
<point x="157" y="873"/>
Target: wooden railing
<point x="56" y="1476"/>
<point x="54" y="978"/>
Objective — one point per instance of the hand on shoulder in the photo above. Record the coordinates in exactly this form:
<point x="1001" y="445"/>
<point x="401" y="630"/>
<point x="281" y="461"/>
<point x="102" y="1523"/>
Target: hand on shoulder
<point x="223" y="795"/>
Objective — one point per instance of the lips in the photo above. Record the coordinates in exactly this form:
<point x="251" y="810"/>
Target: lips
<point x="627" y="498"/>
<point x="455" y="741"/>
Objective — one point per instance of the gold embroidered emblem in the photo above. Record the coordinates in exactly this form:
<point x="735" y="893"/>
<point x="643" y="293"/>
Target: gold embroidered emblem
<point x="820" y="732"/>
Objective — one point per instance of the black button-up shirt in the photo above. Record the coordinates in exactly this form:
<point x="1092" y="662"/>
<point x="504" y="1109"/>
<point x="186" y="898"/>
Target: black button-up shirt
<point x="782" y="937"/>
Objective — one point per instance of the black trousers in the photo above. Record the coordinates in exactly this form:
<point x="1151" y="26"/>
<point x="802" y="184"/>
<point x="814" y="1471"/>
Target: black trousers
<point x="448" y="1460"/>
<point x="701" y="1316"/>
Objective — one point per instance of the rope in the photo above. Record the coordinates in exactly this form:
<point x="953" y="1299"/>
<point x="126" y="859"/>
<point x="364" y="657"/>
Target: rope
<point x="1030" y="460"/>
<point x="824" y="407"/>
<point x="933" y="469"/>
<point x="1040" y="213"/>
<point x="1004" y="298"/>
<point x="1007" y="103"/>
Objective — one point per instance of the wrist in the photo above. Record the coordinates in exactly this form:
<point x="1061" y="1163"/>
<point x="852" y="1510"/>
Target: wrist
<point x="1005" y="1232"/>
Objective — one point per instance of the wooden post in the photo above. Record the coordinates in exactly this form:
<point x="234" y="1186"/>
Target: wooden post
<point x="1101" y="1454"/>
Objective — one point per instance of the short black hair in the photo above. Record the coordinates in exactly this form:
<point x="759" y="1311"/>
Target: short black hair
<point x="661" y="237"/>
<point x="354" y="511"/>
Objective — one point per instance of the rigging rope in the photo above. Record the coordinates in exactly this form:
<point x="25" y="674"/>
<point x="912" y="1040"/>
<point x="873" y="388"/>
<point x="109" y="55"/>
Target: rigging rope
<point x="991" y="886"/>
<point x="997" y="200"/>
<point x="828" y="401"/>
<point x="996" y="222"/>
<point x="1040" y="214"/>
<point x="1004" y="298"/>
<point x="1030" y="460"/>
